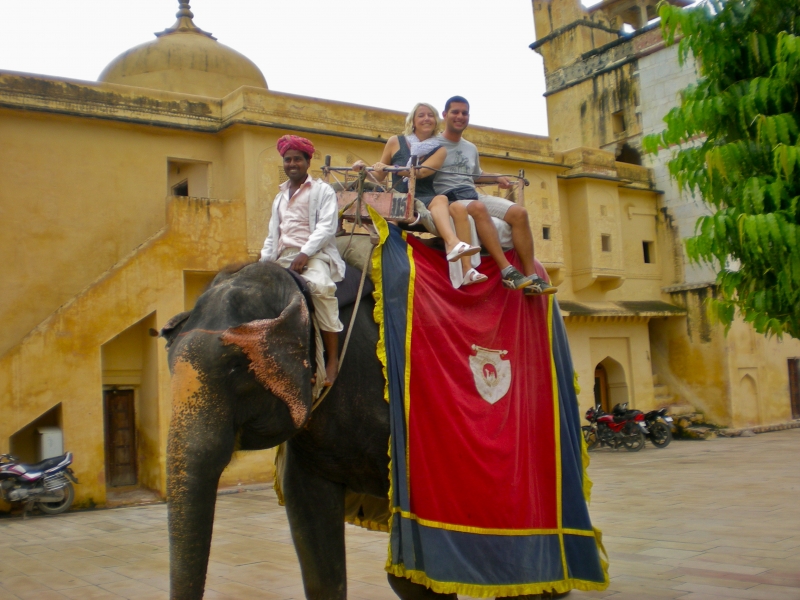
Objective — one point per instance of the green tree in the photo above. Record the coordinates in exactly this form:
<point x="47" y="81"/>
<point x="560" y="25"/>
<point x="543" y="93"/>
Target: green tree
<point x="735" y="142"/>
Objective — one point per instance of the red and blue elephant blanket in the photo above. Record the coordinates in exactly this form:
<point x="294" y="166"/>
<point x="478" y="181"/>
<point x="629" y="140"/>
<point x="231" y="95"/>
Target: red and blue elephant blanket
<point x="488" y="483"/>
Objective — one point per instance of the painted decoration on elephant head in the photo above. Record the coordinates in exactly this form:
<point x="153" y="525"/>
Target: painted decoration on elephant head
<point x="492" y="373"/>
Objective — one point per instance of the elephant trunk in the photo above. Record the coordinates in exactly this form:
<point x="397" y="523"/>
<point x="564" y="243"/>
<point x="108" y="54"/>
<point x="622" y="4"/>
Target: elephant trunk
<point x="200" y="445"/>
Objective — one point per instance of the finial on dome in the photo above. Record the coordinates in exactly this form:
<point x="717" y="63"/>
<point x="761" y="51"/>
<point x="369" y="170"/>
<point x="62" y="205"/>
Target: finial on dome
<point x="184" y="22"/>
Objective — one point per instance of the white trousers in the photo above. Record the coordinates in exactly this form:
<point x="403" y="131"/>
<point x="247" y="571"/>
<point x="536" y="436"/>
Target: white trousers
<point x="321" y="286"/>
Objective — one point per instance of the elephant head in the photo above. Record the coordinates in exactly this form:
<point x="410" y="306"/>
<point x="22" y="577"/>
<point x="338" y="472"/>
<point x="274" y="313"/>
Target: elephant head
<point x="241" y="366"/>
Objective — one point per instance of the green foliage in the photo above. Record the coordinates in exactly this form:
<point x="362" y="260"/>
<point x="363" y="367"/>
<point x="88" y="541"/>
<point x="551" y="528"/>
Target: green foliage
<point x="735" y="142"/>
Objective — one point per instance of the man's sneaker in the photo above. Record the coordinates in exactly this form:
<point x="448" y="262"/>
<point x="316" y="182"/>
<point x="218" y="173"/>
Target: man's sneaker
<point x="515" y="280"/>
<point x="539" y="287"/>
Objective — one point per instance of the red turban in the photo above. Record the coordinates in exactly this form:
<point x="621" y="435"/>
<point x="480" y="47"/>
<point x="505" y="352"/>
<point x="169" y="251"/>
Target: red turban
<point x="294" y="142"/>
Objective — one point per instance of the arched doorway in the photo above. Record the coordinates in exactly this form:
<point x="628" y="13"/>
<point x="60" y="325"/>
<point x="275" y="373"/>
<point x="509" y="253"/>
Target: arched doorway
<point x="747" y="410"/>
<point x="611" y="386"/>
<point x="601" y="388"/>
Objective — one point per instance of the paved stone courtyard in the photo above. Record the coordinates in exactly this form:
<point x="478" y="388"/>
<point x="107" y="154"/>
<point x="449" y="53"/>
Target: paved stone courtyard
<point x="696" y="521"/>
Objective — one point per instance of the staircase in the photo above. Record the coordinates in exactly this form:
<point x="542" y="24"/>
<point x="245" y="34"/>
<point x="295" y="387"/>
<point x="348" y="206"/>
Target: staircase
<point x="688" y="423"/>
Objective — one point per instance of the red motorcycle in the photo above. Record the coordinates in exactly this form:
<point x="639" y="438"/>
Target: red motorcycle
<point x="622" y="427"/>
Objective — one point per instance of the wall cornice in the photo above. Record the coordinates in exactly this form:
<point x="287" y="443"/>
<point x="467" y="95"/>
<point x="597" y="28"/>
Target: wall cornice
<point x="246" y="106"/>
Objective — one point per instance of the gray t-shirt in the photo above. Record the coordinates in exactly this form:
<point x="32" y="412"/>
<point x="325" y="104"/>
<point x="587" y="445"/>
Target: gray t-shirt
<point x="461" y="164"/>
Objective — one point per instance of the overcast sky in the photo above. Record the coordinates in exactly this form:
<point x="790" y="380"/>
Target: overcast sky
<point x="372" y="52"/>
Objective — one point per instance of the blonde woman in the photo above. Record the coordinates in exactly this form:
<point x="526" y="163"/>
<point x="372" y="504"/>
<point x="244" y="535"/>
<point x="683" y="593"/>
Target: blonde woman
<point x="419" y="139"/>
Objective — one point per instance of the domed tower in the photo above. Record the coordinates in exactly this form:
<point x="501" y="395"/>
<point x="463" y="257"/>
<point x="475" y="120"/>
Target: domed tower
<point x="185" y="59"/>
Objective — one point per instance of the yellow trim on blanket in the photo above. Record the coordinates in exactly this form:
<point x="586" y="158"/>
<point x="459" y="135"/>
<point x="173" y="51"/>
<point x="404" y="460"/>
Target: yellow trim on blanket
<point x="368" y="524"/>
<point x="412" y="275"/>
<point x="487" y="591"/>
<point x="489" y="530"/>
<point x="378" y="314"/>
<point x="557" y="432"/>
<point x="382" y="227"/>
<point x="587" y="483"/>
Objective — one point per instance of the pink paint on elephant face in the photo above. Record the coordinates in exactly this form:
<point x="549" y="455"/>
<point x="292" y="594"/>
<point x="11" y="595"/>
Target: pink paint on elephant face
<point x="260" y="341"/>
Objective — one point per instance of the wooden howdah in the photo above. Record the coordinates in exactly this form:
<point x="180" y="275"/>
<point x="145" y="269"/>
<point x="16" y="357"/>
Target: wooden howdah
<point x="354" y="195"/>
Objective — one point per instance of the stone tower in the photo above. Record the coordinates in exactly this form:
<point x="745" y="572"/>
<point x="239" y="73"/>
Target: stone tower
<point x="590" y="62"/>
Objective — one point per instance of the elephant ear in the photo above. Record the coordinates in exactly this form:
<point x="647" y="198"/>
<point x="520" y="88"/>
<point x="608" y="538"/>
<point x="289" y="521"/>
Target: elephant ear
<point x="173" y="327"/>
<point x="279" y="351"/>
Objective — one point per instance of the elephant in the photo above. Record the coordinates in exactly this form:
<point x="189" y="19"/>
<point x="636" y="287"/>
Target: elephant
<point x="242" y="368"/>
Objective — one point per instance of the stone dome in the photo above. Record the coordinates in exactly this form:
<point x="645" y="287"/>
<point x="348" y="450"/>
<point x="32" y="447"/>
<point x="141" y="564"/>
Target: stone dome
<point x="184" y="59"/>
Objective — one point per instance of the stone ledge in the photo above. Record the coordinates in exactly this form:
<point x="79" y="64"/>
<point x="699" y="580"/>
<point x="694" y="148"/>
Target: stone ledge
<point x="759" y="429"/>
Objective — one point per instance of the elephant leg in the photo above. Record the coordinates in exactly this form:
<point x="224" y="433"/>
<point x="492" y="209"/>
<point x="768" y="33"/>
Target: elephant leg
<point x="315" y="507"/>
<point x="200" y="445"/>
<point x="408" y="590"/>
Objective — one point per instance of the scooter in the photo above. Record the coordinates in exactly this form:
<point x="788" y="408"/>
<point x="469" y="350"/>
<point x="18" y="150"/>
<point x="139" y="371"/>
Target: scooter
<point x="622" y="427"/>
<point x="47" y="484"/>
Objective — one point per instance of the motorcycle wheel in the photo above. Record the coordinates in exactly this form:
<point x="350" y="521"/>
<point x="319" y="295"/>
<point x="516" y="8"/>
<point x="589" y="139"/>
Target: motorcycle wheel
<point x="605" y="436"/>
<point x="55" y="508"/>
<point x="632" y="438"/>
<point x="590" y="436"/>
<point x="660" y="434"/>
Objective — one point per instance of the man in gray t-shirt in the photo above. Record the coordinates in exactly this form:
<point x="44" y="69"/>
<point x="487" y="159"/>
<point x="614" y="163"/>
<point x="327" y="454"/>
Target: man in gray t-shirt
<point x="459" y="173"/>
<point x="460" y="168"/>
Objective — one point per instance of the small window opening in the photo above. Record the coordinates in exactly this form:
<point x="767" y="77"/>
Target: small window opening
<point x="648" y="249"/>
<point x="605" y="243"/>
<point x="546" y="232"/>
<point x="545" y="203"/>
<point x="603" y="210"/>
<point x="188" y="178"/>
<point x="629" y="154"/>
<point x="181" y="189"/>
<point x="618" y="122"/>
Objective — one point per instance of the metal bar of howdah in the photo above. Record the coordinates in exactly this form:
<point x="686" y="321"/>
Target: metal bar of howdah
<point x="327" y="167"/>
<point x="368" y="169"/>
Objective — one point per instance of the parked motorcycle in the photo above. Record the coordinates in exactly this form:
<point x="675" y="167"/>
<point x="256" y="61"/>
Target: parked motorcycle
<point x="659" y="424"/>
<point x="622" y="427"/>
<point x="47" y="484"/>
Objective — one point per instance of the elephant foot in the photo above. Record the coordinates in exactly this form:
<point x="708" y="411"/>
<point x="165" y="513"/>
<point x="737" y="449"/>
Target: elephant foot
<point x="408" y="590"/>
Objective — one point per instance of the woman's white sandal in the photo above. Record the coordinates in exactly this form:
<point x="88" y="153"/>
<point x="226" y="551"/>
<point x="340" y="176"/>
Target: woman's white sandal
<point x="472" y="276"/>
<point x="462" y="249"/>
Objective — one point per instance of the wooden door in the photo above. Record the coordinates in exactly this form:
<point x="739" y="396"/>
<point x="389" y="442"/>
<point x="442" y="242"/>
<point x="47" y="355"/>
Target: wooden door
<point x="120" y="437"/>
<point x="601" y="388"/>
<point x="794" y="386"/>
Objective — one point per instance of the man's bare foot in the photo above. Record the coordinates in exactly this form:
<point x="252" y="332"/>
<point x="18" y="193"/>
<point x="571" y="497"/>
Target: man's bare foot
<point x="331" y="371"/>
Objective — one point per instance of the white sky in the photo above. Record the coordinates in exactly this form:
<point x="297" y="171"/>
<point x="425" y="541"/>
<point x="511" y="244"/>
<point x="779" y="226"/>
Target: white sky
<point x="373" y="52"/>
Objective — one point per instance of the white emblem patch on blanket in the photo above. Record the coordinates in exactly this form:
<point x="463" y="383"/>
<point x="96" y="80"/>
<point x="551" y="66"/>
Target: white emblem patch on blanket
<point x="492" y="373"/>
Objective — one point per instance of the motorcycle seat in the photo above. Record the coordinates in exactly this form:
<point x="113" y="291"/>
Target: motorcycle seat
<point x="47" y="463"/>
